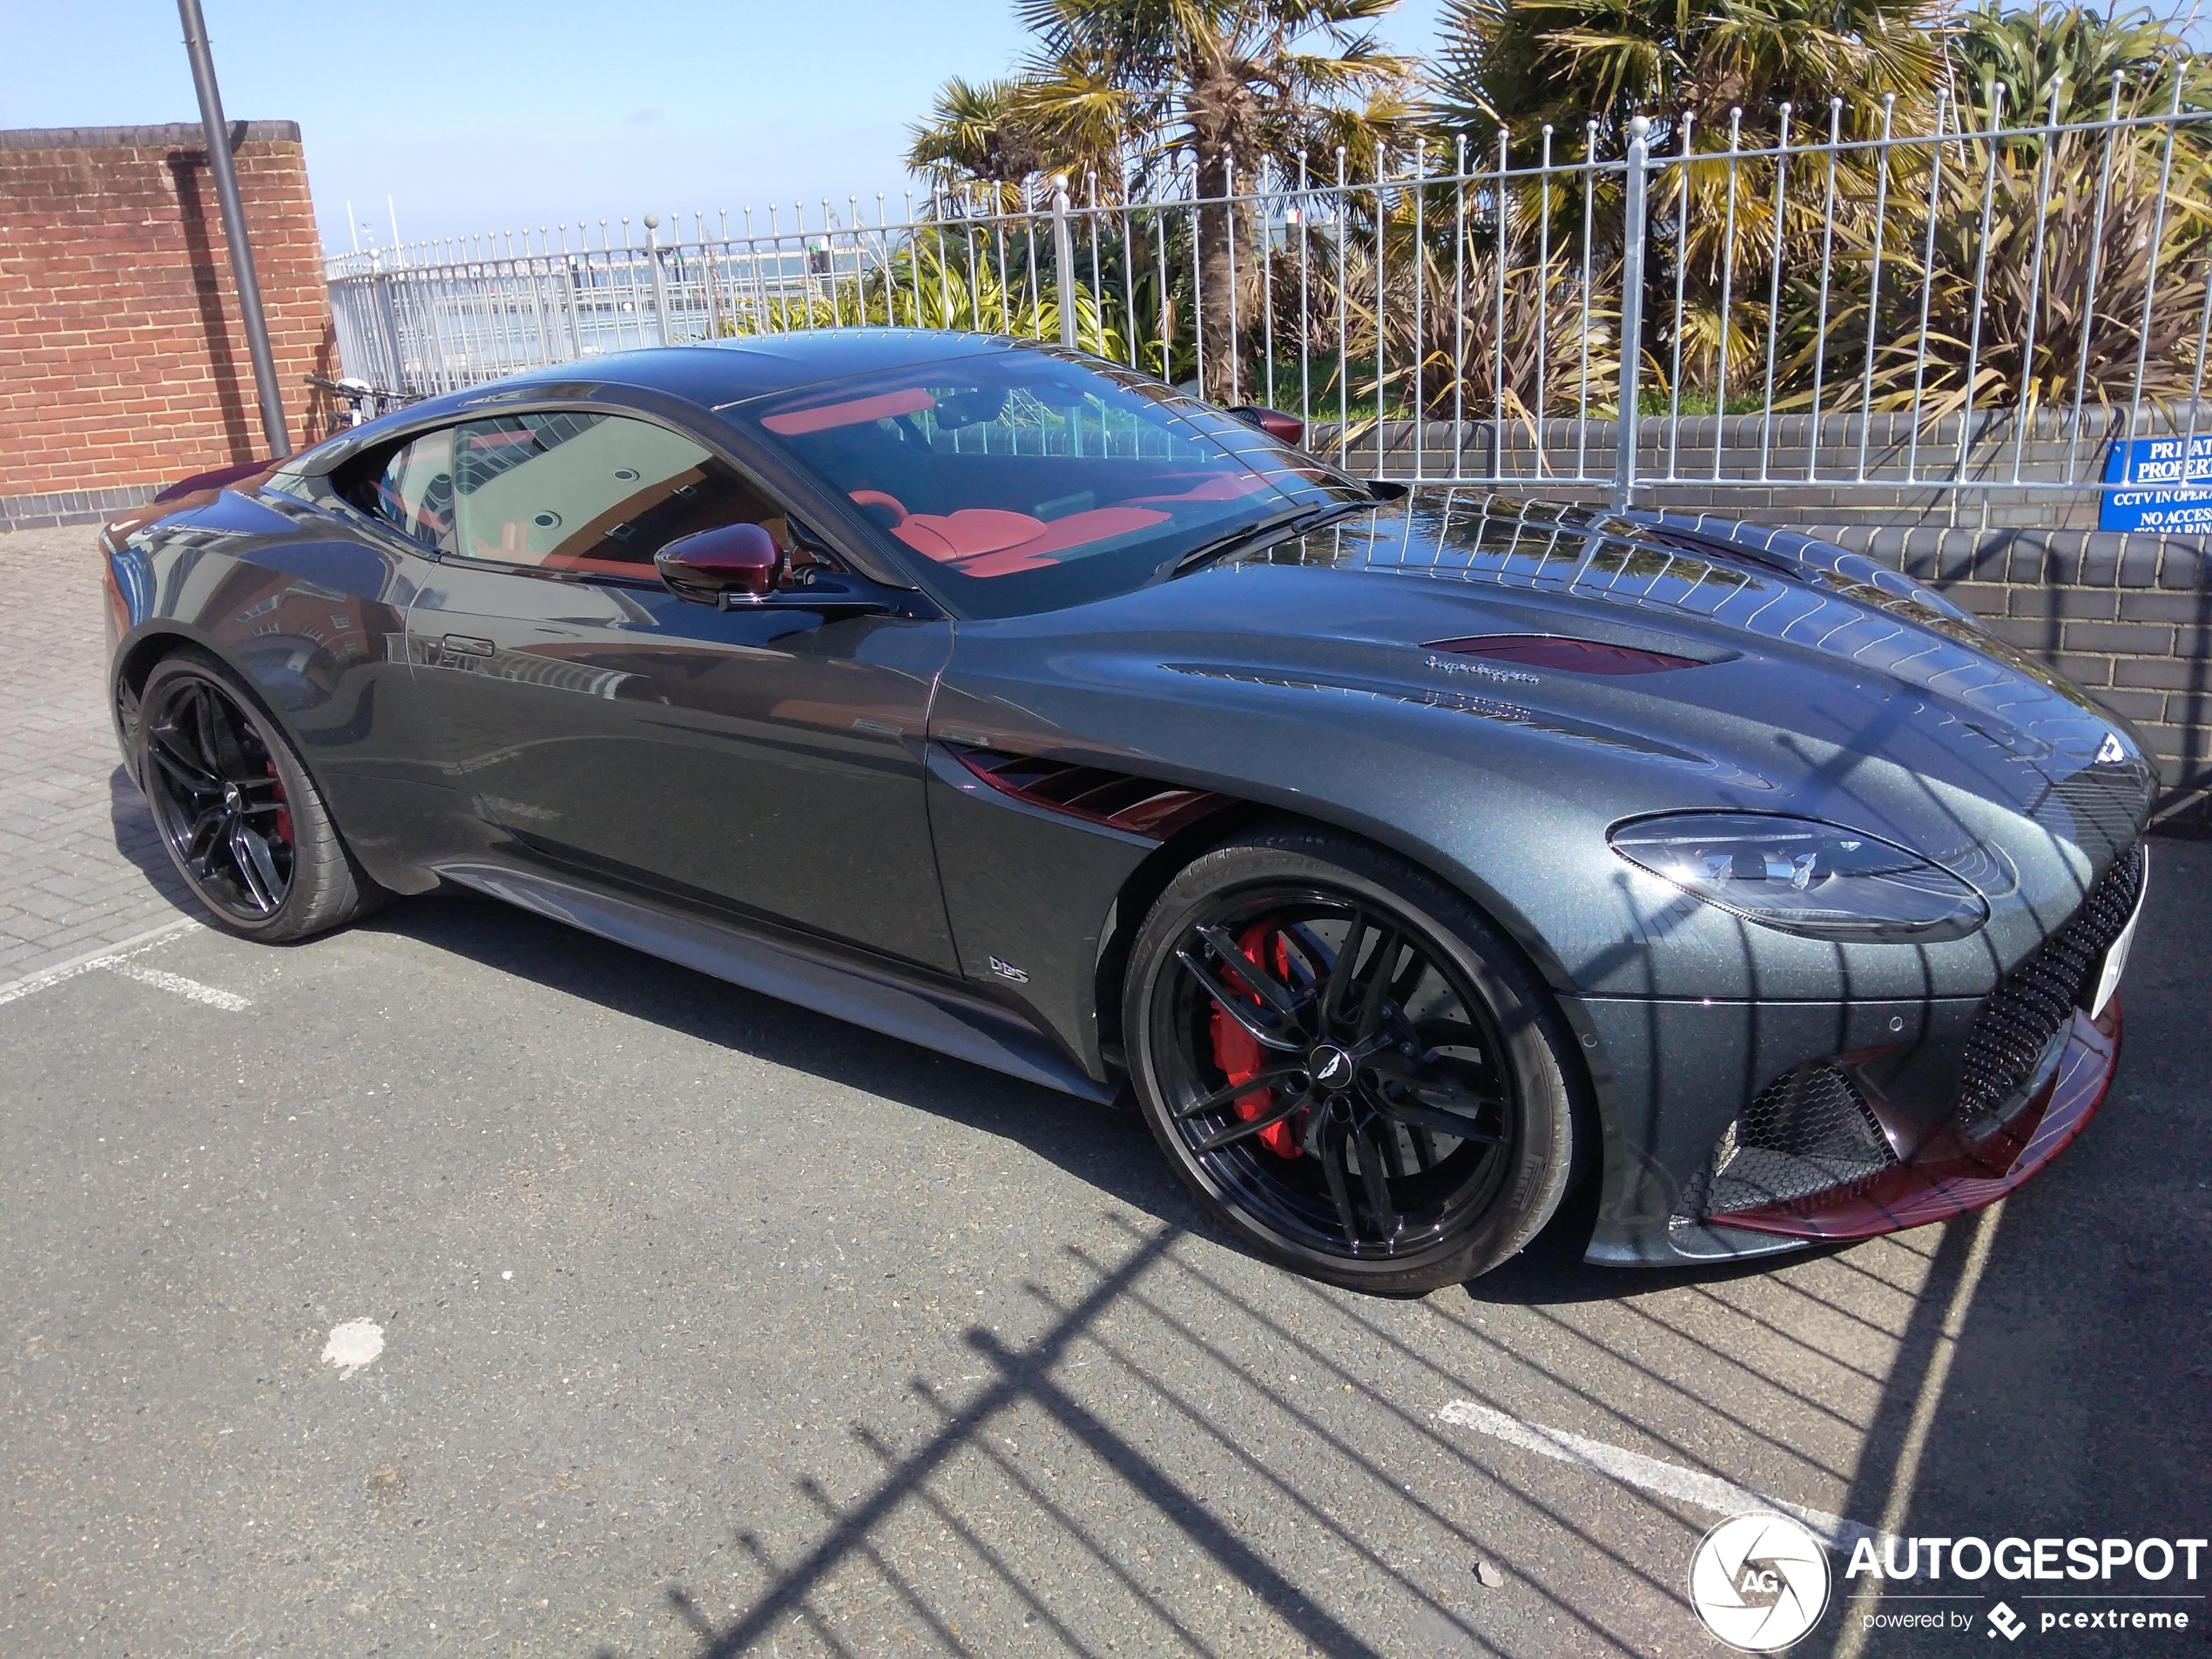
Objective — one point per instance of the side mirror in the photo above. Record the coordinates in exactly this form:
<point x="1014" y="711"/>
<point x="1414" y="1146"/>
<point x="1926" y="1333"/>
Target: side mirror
<point x="1287" y="427"/>
<point x="731" y="562"/>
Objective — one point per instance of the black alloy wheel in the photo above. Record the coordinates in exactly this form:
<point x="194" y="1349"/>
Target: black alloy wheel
<point x="1347" y="1064"/>
<point x="243" y="824"/>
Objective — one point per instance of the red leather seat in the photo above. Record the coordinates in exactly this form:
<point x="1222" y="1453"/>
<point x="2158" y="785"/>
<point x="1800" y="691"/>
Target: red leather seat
<point x="990" y="540"/>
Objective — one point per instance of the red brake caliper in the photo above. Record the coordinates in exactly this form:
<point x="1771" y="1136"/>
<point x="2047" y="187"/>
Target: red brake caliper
<point x="1239" y="1054"/>
<point x="284" y="812"/>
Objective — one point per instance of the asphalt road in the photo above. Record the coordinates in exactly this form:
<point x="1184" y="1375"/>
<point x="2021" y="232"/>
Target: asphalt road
<point x="710" y="1325"/>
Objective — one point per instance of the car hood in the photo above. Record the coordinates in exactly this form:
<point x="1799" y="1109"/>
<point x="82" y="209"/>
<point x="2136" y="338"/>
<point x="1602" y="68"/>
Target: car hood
<point x="1809" y="663"/>
<point x="1316" y="672"/>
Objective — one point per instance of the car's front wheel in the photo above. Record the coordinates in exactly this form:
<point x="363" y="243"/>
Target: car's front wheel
<point x="1347" y="1064"/>
<point x="243" y="822"/>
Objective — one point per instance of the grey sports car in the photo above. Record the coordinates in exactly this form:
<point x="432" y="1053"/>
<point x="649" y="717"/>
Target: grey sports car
<point x="1408" y="856"/>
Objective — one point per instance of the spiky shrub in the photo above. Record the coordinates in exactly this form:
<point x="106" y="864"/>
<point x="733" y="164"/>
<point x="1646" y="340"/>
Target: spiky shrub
<point x="1455" y="336"/>
<point x="2039" y="266"/>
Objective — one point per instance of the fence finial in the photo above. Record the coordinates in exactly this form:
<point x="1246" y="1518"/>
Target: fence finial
<point x="1632" y="266"/>
<point x="1064" y="260"/>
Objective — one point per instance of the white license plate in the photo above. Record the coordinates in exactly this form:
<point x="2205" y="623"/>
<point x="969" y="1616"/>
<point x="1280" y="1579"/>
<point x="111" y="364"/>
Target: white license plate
<point x="2116" y="958"/>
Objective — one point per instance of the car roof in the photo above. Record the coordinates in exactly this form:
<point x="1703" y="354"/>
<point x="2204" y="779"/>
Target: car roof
<point x="711" y="374"/>
<point x="729" y="371"/>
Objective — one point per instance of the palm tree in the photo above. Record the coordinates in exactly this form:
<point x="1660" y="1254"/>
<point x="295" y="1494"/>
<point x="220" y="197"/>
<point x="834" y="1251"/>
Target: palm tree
<point x="976" y="134"/>
<point x="1521" y="63"/>
<point x="1123" y="88"/>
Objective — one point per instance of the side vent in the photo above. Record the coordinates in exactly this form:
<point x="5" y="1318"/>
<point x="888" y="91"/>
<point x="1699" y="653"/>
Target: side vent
<point x="1139" y="806"/>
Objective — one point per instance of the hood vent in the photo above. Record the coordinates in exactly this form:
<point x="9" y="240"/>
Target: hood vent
<point x="1563" y="652"/>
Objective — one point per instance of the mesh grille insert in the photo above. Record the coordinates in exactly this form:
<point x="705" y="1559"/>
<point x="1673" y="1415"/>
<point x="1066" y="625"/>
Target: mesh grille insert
<point x="1809" y="1131"/>
<point x="2037" y="998"/>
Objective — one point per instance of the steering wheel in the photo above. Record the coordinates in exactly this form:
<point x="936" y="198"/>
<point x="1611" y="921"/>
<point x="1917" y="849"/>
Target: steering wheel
<point x="889" y="511"/>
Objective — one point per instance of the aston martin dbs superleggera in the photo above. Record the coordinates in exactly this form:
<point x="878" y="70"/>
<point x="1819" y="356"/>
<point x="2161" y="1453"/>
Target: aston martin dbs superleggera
<point x="1406" y="855"/>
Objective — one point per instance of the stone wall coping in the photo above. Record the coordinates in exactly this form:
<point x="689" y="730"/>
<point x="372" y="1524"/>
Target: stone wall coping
<point x="171" y="133"/>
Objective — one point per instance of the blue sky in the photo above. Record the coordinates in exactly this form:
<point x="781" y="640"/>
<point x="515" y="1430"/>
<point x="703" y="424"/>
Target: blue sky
<point x="494" y="115"/>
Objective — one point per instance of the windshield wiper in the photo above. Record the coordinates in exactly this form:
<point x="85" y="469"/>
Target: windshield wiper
<point x="1277" y="526"/>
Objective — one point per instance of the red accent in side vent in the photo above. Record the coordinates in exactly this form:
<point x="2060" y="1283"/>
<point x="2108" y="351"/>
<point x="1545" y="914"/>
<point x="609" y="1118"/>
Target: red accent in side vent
<point x="1557" y="650"/>
<point x="1140" y="806"/>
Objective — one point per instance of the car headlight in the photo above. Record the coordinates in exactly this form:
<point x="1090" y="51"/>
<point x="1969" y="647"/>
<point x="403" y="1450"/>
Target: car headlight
<point x="1803" y="876"/>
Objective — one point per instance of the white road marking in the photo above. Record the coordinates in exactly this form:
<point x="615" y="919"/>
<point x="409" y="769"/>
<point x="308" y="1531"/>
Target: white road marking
<point x="1668" y="1479"/>
<point x="353" y="1344"/>
<point x="105" y="956"/>
<point x="229" y="1001"/>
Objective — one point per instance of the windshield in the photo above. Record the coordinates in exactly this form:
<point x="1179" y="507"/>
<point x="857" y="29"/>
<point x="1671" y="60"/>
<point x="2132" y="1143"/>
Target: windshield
<point x="1027" y="481"/>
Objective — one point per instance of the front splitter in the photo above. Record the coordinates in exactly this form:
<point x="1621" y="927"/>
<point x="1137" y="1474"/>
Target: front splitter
<point x="1949" y="1176"/>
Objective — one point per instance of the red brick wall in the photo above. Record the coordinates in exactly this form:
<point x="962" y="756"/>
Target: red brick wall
<point x="122" y="359"/>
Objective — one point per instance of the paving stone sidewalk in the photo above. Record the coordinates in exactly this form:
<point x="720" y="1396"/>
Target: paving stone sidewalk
<point x="79" y="864"/>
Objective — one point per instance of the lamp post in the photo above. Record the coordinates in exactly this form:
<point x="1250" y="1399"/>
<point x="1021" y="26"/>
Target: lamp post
<point x="249" y="289"/>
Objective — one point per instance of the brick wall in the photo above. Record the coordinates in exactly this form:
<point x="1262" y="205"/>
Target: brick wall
<point x="123" y="363"/>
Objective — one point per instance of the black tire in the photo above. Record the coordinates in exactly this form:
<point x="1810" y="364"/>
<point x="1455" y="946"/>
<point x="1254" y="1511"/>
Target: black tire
<point x="1342" y="1186"/>
<point x="243" y="822"/>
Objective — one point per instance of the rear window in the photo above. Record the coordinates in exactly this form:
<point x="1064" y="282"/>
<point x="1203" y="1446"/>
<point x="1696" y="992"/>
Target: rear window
<point x="1021" y="481"/>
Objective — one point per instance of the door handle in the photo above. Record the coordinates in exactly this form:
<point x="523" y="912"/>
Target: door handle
<point x="468" y="646"/>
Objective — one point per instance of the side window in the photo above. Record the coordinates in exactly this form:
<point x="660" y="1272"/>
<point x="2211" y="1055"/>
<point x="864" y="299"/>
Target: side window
<point x="413" y="494"/>
<point x="596" y="493"/>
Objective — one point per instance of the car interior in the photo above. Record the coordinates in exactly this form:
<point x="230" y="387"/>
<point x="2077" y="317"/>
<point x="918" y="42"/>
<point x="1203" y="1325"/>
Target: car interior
<point x="593" y="493"/>
<point x="992" y="481"/>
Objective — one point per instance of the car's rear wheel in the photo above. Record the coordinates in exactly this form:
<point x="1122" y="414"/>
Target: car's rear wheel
<point x="1347" y="1064"/>
<point x="243" y="822"/>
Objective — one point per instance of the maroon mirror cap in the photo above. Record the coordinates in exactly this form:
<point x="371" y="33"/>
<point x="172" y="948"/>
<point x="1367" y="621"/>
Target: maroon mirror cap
<point x="728" y="559"/>
<point x="1288" y="427"/>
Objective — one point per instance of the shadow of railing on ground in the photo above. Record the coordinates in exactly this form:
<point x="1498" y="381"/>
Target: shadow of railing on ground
<point x="1312" y="1484"/>
<point x="1166" y="1447"/>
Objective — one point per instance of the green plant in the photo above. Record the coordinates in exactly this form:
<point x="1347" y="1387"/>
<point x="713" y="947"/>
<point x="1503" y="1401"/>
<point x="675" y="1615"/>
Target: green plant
<point x="1523" y="63"/>
<point x="2074" y="50"/>
<point x="2035" y="326"/>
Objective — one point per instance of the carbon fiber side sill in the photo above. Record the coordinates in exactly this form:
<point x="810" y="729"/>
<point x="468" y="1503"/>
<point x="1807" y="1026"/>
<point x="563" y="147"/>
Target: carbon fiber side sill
<point x="940" y="1017"/>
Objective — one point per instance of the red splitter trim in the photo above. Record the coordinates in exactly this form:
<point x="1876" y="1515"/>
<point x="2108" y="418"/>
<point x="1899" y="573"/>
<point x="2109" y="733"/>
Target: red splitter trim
<point x="1948" y="1176"/>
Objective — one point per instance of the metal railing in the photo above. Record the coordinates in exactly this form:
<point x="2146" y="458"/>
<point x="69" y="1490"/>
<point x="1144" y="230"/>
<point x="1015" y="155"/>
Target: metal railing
<point x="1974" y="310"/>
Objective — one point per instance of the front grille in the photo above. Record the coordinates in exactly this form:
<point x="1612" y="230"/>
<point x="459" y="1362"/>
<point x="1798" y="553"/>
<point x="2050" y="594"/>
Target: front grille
<point x="1809" y="1131"/>
<point x="2037" y="999"/>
